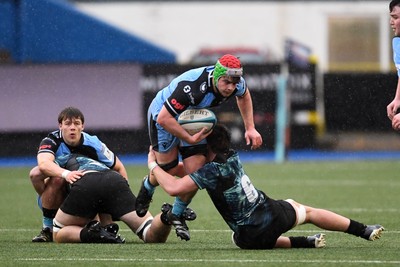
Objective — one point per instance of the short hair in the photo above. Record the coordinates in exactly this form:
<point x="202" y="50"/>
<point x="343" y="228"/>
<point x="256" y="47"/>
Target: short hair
<point x="219" y="140"/>
<point x="393" y="3"/>
<point x="69" y="113"/>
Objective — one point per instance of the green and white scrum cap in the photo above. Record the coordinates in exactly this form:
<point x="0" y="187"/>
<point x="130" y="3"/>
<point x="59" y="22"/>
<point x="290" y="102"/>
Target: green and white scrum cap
<point x="227" y="65"/>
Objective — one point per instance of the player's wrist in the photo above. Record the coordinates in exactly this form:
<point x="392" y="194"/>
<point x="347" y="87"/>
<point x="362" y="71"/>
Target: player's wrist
<point x="152" y="165"/>
<point x="65" y="174"/>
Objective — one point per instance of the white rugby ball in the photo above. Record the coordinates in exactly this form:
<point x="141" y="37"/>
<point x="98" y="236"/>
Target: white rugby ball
<point x="193" y="120"/>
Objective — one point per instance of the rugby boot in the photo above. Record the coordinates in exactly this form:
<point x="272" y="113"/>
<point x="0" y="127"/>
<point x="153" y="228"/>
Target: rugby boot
<point x="373" y="232"/>
<point x="179" y="223"/>
<point x="317" y="241"/>
<point x="143" y="200"/>
<point x="45" y="235"/>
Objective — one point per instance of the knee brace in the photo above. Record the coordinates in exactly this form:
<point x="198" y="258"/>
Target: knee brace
<point x="300" y="212"/>
<point x="143" y="228"/>
<point x="188" y="151"/>
<point x="168" y="166"/>
<point x="57" y="226"/>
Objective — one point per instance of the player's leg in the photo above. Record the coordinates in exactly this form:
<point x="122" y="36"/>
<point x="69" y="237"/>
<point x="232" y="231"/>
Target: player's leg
<point x="52" y="195"/>
<point x="169" y="162"/>
<point x="194" y="157"/>
<point x="74" y="229"/>
<point x="38" y="180"/>
<point x="67" y="228"/>
<point x="147" y="228"/>
<point x="88" y="197"/>
<point x="329" y="220"/>
<point x="165" y="146"/>
<point x="314" y="241"/>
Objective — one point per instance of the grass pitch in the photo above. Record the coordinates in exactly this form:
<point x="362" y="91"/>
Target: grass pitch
<point x="367" y="191"/>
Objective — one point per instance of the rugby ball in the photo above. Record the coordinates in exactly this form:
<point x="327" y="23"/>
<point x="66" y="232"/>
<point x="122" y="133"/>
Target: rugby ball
<point x="193" y="120"/>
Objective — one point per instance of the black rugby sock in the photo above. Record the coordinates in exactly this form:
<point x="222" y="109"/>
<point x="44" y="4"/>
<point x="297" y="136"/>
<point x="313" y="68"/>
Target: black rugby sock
<point x="355" y="228"/>
<point x="300" y="242"/>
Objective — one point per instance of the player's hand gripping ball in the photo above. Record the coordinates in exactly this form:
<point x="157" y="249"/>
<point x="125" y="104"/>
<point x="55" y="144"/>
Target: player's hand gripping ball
<point x="193" y="120"/>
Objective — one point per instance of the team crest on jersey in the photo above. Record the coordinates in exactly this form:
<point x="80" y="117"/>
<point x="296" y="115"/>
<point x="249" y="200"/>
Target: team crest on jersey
<point x="187" y="89"/>
<point x="203" y="87"/>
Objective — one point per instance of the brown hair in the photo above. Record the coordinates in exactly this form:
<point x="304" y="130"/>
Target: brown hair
<point x="219" y="140"/>
<point x="69" y="113"/>
<point x="393" y="4"/>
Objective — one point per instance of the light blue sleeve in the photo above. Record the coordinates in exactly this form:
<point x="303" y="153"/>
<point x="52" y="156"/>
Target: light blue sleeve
<point x="396" y="53"/>
<point x="104" y="154"/>
<point x="241" y="87"/>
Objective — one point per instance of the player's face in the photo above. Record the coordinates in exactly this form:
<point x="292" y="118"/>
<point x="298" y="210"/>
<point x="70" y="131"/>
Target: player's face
<point x="226" y="85"/>
<point x="395" y="20"/>
<point x="71" y="130"/>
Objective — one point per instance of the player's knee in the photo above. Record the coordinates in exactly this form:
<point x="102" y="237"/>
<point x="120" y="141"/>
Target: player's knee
<point x="142" y="230"/>
<point x="301" y="212"/>
<point x="57" y="226"/>
<point x="35" y="174"/>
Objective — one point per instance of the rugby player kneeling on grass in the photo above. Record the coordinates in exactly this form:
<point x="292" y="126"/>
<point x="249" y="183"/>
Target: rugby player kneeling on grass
<point x="100" y="190"/>
<point x="257" y="221"/>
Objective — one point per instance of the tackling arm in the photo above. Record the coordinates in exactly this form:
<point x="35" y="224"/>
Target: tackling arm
<point x="174" y="187"/>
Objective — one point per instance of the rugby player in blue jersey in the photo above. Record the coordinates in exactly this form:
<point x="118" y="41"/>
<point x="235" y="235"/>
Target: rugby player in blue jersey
<point x="394" y="107"/>
<point x="49" y="179"/>
<point x="257" y="221"/>
<point x="203" y="87"/>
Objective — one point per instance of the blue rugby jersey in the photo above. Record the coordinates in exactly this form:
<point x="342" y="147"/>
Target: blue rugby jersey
<point x="396" y="53"/>
<point x="191" y="89"/>
<point x="90" y="146"/>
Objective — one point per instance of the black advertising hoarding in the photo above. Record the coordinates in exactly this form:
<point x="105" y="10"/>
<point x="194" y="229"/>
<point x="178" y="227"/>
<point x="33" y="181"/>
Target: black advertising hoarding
<point x="357" y="101"/>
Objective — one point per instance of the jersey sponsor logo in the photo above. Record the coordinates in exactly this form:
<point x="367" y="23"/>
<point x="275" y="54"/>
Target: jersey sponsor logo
<point x="164" y="145"/>
<point x="44" y="147"/>
<point x="188" y="91"/>
<point x="203" y="87"/>
<point x="176" y="105"/>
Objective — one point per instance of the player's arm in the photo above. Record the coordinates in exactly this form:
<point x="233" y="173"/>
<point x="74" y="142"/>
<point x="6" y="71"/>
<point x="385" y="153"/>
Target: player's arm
<point x="174" y="187"/>
<point x="245" y="105"/>
<point x="395" y="104"/>
<point x="48" y="167"/>
<point x="169" y="123"/>
<point x="119" y="167"/>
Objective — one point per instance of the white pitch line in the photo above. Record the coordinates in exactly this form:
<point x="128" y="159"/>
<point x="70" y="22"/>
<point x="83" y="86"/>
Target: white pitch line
<point x="213" y="260"/>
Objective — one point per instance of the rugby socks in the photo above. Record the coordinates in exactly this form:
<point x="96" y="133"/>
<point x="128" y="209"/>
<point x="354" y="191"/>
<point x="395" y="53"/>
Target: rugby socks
<point x="48" y="216"/>
<point x="356" y="228"/>
<point x="300" y="242"/>
<point x="150" y="188"/>
<point x="179" y="206"/>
